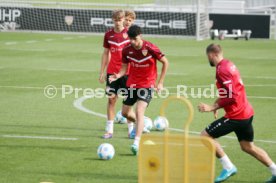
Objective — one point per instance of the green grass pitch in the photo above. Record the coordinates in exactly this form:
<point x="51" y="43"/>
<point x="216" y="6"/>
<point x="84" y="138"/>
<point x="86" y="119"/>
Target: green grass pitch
<point x="29" y="62"/>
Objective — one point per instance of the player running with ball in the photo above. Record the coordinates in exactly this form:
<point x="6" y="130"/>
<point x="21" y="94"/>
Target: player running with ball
<point x="238" y="117"/>
<point x="142" y="57"/>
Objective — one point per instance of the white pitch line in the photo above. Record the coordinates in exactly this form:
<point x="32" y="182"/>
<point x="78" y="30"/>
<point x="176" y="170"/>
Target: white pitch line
<point x="178" y="144"/>
<point x="38" y="137"/>
<point x="189" y="86"/>
<point x="176" y="74"/>
<point x="32" y="49"/>
<point x="48" y="40"/>
<point x="31" y="41"/>
<point x="262" y="97"/>
<point x="228" y="137"/>
<point x="68" y="38"/>
<point x="71" y="70"/>
<point x="250" y="77"/>
<point x="260" y="77"/>
<point x="79" y="106"/>
<point x="10" y="43"/>
<point x="27" y="87"/>
<point x="261" y="85"/>
<point x="23" y="87"/>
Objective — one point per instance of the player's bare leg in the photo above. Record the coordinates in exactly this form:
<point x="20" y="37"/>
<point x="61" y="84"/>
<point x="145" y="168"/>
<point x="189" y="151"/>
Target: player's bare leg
<point x="128" y="113"/>
<point x="229" y="168"/>
<point x="261" y="155"/>
<point x="110" y="116"/>
<point x="130" y="126"/>
<point x="219" y="151"/>
<point x="140" y="112"/>
<point x="258" y="153"/>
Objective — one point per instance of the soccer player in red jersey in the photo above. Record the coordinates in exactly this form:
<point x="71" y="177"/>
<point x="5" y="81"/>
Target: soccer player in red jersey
<point x="238" y="117"/>
<point x="114" y="41"/>
<point x="130" y="17"/>
<point x="142" y="57"/>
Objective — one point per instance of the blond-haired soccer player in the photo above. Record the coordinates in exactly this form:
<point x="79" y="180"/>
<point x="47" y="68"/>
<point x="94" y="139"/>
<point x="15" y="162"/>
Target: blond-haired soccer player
<point x="142" y="57"/>
<point x="238" y="116"/>
<point x="115" y="40"/>
<point x="130" y="17"/>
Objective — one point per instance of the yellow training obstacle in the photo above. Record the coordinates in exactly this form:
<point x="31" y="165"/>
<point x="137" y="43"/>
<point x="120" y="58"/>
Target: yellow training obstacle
<point x="176" y="158"/>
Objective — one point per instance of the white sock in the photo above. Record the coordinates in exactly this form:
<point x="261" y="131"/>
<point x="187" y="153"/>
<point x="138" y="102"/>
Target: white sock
<point x="272" y="168"/>
<point x="226" y="162"/>
<point x="130" y="126"/>
<point x="136" y="141"/>
<point x="109" y="126"/>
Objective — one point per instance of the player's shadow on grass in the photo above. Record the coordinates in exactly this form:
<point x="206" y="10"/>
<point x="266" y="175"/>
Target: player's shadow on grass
<point x="98" y="159"/>
<point x="126" y="154"/>
<point x="92" y="159"/>
<point x="244" y="181"/>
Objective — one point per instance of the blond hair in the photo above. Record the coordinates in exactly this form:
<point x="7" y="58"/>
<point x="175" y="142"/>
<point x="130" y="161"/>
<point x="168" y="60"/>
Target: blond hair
<point x="130" y="13"/>
<point x="118" y="14"/>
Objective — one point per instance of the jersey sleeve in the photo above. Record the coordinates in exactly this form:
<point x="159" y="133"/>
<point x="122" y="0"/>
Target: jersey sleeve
<point x="105" y="42"/>
<point x="155" y="51"/>
<point x="227" y="92"/>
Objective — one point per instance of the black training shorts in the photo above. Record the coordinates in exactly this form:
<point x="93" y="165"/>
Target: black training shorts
<point x="115" y="86"/>
<point x="135" y="94"/>
<point x="223" y="126"/>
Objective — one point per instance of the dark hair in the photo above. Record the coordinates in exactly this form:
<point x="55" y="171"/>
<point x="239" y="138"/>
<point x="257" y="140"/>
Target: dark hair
<point x="213" y="48"/>
<point x="134" y="31"/>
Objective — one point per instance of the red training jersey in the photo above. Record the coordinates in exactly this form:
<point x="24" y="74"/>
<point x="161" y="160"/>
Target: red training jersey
<point x="143" y="65"/>
<point x="115" y="42"/>
<point x="232" y="92"/>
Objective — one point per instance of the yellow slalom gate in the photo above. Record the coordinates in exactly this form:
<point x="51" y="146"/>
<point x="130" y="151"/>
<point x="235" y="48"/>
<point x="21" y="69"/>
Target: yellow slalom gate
<point x="176" y="158"/>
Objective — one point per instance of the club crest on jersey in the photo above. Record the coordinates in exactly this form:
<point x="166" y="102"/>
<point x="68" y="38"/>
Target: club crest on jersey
<point x="144" y="52"/>
<point x="125" y="35"/>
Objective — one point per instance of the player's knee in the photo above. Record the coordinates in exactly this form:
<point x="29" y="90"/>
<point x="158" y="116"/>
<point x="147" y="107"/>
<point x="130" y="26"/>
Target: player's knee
<point x="247" y="148"/>
<point x="112" y="101"/>
<point x="204" y="133"/>
<point x="125" y="114"/>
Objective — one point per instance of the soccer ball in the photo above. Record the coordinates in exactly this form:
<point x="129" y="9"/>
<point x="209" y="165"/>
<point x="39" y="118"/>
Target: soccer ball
<point x="106" y="151"/>
<point x="147" y="124"/>
<point x="119" y="118"/>
<point x="161" y="123"/>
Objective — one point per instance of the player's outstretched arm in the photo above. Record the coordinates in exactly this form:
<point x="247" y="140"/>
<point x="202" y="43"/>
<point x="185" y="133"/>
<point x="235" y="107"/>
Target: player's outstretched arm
<point x="116" y="76"/>
<point x="105" y="60"/>
<point x="165" y="65"/>
<point x="216" y="111"/>
<point x="202" y="107"/>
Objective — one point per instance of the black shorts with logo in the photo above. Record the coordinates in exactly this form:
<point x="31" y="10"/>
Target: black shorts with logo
<point x="135" y="94"/>
<point x="113" y="87"/>
<point x="223" y="126"/>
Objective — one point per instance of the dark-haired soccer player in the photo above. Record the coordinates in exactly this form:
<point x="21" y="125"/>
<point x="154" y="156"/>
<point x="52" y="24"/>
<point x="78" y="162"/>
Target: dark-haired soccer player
<point x="142" y="57"/>
<point x="238" y="117"/>
<point x="114" y="41"/>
